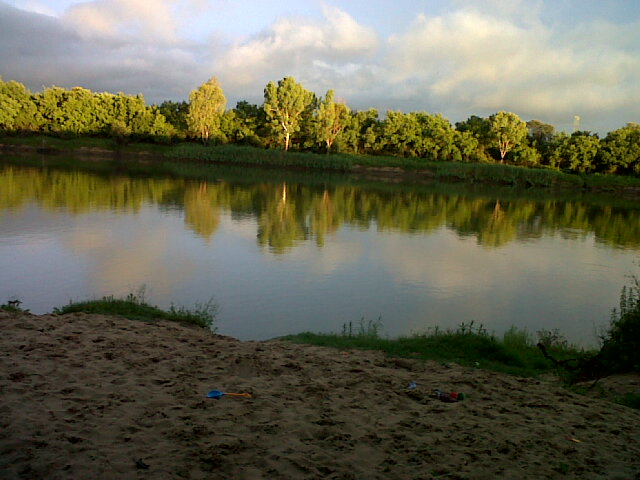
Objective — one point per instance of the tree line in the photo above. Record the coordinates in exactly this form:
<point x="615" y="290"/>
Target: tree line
<point x="292" y="117"/>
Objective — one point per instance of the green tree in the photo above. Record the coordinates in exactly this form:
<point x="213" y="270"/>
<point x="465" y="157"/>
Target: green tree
<point x="401" y="134"/>
<point x="468" y="146"/>
<point x="361" y="132"/>
<point x="439" y="138"/>
<point x="285" y="105"/>
<point x="175" y="114"/>
<point x="621" y="150"/>
<point x="49" y="104"/>
<point x="331" y="119"/>
<point x="206" y="105"/>
<point x="577" y="153"/>
<point x="539" y="131"/>
<point x="480" y="129"/>
<point x="17" y="108"/>
<point x="507" y="131"/>
<point x="248" y="126"/>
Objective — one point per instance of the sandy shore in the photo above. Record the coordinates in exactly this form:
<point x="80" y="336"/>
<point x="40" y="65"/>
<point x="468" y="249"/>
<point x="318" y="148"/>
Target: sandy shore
<point x="96" y="397"/>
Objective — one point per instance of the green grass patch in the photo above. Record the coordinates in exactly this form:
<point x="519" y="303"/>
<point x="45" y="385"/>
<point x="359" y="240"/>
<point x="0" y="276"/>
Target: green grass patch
<point x="135" y="307"/>
<point x="234" y="154"/>
<point x="515" y="353"/>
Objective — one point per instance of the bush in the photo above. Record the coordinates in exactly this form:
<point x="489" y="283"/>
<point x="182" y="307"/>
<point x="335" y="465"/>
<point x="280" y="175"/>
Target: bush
<point x="621" y="342"/>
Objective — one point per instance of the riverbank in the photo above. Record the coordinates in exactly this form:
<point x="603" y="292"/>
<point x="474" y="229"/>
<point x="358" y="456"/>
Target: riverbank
<point x="94" y="396"/>
<point x="376" y="168"/>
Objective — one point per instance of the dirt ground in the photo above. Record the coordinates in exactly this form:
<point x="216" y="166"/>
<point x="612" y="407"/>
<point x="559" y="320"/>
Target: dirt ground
<point x="97" y="397"/>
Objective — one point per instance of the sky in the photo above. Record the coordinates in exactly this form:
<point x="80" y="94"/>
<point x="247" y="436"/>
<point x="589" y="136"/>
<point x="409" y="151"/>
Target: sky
<point x="547" y="60"/>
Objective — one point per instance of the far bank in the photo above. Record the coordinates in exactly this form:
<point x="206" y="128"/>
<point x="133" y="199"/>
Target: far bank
<point x="378" y="168"/>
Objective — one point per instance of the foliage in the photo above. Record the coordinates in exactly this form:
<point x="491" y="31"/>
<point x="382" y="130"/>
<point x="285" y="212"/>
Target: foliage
<point x="134" y="307"/>
<point x="540" y="132"/>
<point x="331" y="118"/>
<point x="17" y="108"/>
<point x="620" y="151"/>
<point x="420" y="134"/>
<point x="508" y="131"/>
<point x="576" y="153"/>
<point x="285" y="105"/>
<point x="620" y="343"/>
<point x="620" y="351"/>
<point x="291" y="116"/>
<point x="176" y="114"/>
<point x="206" y="106"/>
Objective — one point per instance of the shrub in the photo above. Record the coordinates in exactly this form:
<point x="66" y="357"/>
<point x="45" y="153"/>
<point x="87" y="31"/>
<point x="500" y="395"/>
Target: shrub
<point x="621" y="342"/>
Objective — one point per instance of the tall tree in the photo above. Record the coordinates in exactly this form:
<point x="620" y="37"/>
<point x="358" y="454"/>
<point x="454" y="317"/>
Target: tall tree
<point x="621" y="150"/>
<point x="249" y="126"/>
<point x="206" y="105"/>
<point x="175" y="113"/>
<point x="576" y="153"/>
<point x="285" y="104"/>
<point x="331" y="119"/>
<point x="540" y="132"/>
<point x="17" y="108"/>
<point x="508" y="131"/>
<point x="478" y="128"/>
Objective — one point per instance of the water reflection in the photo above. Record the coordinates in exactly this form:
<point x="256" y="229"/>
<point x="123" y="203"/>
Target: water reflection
<point x="289" y="214"/>
<point x="283" y="256"/>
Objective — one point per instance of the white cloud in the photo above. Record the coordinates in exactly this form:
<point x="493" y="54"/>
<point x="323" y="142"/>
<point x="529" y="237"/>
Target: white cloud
<point x="471" y="57"/>
<point x="318" y="53"/>
<point x="486" y="63"/>
<point x="39" y="7"/>
<point x="150" y="20"/>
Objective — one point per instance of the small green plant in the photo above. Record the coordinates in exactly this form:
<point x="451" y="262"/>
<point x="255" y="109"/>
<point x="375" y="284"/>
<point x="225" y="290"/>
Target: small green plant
<point x="369" y="329"/>
<point x="13" y="305"/>
<point x="136" y="308"/>
<point x="471" y="329"/>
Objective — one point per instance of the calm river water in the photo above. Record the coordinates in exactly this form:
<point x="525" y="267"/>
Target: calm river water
<point x="283" y="254"/>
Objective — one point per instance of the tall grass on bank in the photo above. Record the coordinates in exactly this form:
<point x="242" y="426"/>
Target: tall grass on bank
<point x="505" y="175"/>
<point x="235" y="154"/>
<point x="229" y="154"/>
<point x="470" y="345"/>
<point x="134" y="307"/>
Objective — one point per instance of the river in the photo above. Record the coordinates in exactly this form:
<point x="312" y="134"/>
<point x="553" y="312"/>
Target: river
<point x="284" y="253"/>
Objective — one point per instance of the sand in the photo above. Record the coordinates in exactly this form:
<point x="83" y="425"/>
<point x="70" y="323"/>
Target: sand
<point x="98" y="397"/>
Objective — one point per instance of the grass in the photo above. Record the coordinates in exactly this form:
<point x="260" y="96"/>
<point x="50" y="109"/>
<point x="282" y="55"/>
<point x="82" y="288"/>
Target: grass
<point x="13" y="305"/>
<point x="134" y="307"/>
<point x="476" y="173"/>
<point x="243" y="155"/>
<point x="515" y="353"/>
